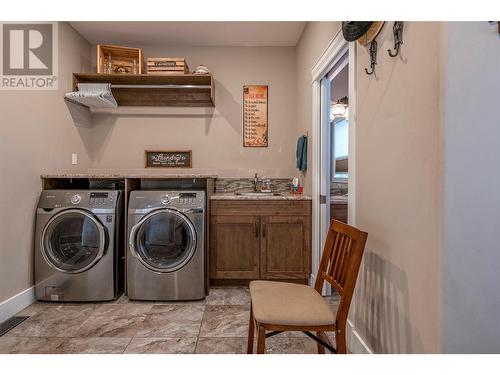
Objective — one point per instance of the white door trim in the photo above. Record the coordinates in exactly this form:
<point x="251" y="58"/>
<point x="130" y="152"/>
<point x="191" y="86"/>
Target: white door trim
<point x="335" y="50"/>
<point x="327" y="59"/>
<point x="316" y="185"/>
<point x="351" y="182"/>
<point x="330" y="56"/>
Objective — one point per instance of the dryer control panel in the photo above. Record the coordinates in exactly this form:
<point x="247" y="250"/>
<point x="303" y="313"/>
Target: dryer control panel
<point x="147" y="199"/>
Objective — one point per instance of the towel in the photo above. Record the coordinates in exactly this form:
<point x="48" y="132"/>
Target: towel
<point x="302" y="153"/>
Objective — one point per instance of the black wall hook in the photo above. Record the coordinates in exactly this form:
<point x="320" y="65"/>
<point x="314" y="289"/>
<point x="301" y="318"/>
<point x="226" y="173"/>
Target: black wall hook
<point x="397" y="29"/>
<point x="373" y="57"/>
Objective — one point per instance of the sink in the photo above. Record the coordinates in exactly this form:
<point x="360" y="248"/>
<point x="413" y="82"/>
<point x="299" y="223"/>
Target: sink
<point x="257" y="194"/>
<point x="338" y="198"/>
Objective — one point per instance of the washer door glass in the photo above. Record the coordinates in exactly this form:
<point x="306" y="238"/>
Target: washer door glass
<point x="165" y="240"/>
<point x="73" y="241"/>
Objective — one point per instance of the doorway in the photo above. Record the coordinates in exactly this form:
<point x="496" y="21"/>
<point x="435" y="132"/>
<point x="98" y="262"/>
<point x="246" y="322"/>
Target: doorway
<point x="333" y="168"/>
<point x="335" y="143"/>
<point x="338" y="55"/>
<point x="337" y="63"/>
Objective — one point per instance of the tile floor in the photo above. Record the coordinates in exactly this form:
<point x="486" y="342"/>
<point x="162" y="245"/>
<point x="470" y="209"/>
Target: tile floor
<point x="218" y="324"/>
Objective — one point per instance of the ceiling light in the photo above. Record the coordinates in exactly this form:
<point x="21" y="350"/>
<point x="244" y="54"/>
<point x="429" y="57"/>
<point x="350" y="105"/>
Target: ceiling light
<point x="339" y="108"/>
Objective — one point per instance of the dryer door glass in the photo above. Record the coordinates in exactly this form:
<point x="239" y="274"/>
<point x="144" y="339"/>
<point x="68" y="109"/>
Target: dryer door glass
<point x="73" y="241"/>
<point x="165" y="241"/>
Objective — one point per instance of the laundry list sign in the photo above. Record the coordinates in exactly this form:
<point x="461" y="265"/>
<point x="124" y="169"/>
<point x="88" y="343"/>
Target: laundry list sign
<point x="255" y="125"/>
<point x="168" y="159"/>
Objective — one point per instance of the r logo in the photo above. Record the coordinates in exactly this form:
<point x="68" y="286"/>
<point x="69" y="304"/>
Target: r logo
<point x="27" y="49"/>
<point x="29" y="58"/>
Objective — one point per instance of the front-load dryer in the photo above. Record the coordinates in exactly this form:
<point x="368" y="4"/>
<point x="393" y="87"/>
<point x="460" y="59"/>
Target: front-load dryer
<point x="166" y="258"/>
<point x="78" y="246"/>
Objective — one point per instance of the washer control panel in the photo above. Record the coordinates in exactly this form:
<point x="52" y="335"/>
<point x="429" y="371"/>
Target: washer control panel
<point x="165" y="199"/>
<point x="99" y="199"/>
<point x="89" y="199"/>
<point x="189" y="199"/>
<point x="75" y="199"/>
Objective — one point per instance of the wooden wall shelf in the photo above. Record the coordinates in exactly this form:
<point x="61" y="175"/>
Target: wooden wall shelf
<point x="186" y="90"/>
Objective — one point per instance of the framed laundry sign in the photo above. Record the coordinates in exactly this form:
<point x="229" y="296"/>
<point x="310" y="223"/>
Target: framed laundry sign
<point x="255" y="125"/>
<point x="169" y="159"/>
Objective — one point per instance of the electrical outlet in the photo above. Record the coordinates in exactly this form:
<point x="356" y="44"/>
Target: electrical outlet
<point x="74" y="159"/>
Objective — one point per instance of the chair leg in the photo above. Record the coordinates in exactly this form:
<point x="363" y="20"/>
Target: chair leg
<point x="321" y="348"/>
<point x="261" y="340"/>
<point x="341" y="344"/>
<point x="251" y="330"/>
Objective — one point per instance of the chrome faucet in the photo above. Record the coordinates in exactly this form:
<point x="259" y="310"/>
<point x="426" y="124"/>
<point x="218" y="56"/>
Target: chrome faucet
<point x="257" y="183"/>
<point x="261" y="185"/>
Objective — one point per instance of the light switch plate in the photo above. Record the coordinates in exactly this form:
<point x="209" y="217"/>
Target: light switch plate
<point x="74" y="159"/>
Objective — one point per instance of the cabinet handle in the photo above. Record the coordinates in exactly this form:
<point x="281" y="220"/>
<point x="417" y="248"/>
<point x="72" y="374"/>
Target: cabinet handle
<point x="264" y="230"/>
<point x="256" y="226"/>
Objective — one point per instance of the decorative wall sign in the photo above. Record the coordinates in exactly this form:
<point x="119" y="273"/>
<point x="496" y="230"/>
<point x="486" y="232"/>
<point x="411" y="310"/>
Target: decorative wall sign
<point x="168" y="159"/>
<point x="255" y="125"/>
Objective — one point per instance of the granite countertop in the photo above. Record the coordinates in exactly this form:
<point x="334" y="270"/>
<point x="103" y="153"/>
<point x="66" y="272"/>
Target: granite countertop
<point x="126" y="175"/>
<point x="279" y="197"/>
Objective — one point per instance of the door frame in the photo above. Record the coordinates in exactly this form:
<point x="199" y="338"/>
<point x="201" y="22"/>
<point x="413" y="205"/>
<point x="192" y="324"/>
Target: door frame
<point x="330" y="56"/>
<point x="325" y="145"/>
<point x="335" y="50"/>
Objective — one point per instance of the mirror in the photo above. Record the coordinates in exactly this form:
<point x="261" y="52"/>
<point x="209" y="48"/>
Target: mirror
<point x="340" y="146"/>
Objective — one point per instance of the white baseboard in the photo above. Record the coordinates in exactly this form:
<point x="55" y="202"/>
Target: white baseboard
<point x="355" y="343"/>
<point x="13" y="305"/>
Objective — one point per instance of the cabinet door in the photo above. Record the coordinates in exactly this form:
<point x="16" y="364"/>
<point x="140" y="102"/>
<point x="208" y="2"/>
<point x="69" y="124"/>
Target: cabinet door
<point x="338" y="211"/>
<point x="286" y="251"/>
<point x="235" y="247"/>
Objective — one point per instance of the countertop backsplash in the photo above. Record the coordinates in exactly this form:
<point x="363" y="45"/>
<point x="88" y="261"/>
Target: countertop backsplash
<point x="231" y="185"/>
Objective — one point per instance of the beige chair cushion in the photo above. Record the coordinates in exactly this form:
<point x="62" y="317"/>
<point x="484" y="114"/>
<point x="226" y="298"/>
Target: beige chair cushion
<point x="289" y="304"/>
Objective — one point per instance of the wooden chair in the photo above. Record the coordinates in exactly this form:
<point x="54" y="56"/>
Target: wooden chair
<point x="277" y="306"/>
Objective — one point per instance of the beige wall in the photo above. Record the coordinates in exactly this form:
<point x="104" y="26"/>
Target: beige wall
<point x="398" y="185"/>
<point x="398" y="140"/>
<point x="40" y="135"/>
<point x="214" y="135"/>
<point x="37" y="135"/>
<point x="314" y="40"/>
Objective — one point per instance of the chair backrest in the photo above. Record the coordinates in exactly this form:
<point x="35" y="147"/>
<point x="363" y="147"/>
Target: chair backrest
<point x="340" y="264"/>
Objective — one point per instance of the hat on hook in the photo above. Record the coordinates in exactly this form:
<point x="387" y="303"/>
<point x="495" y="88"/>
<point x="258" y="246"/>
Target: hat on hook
<point x="372" y="33"/>
<point x="362" y="31"/>
<point x="354" y="30"/>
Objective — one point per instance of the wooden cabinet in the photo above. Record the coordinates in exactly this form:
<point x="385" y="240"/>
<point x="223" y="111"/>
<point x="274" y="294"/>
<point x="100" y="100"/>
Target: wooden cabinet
<point x="236" y="239"/>
<point x="285" y="249"/>
<point x="338" y="211"/>
<point x="260" y="240"/>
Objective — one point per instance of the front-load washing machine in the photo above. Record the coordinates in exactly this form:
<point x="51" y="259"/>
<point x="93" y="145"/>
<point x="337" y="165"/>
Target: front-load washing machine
<point x="79" y="253"/>
<point x="166" y="257"/>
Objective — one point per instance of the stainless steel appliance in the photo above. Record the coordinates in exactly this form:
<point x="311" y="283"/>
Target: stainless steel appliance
<point x="78" y="246"/>
<point x="166" y="257"/>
